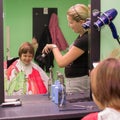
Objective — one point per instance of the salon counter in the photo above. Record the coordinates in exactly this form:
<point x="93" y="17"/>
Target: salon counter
<point x="39" y="107"/>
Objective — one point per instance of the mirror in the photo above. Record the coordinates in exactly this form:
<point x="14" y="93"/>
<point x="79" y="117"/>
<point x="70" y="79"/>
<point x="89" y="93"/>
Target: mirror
<point x="18" y="24"/>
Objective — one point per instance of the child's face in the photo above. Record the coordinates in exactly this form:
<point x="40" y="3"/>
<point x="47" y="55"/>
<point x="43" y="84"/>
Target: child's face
<point x="26" y="58"/>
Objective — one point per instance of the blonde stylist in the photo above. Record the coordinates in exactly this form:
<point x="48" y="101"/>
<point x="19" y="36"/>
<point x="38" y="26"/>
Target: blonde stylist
<point x="75" y="60"/>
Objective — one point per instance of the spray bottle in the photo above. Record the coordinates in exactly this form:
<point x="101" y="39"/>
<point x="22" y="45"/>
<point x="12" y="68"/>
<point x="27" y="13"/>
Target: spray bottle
<point x="50" y="82"/>
<point x="61" y="92"/>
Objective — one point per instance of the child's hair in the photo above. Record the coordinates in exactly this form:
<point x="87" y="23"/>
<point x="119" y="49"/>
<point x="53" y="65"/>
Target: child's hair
<point x="105" y="83"/>
<point x="26" y="47"/>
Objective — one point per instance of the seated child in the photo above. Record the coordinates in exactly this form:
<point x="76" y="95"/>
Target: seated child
<point x="23" y="76"/>
<point x="105" y="85"/>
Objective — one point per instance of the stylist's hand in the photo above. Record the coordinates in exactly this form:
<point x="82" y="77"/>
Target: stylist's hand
<point x="48" y="48"/>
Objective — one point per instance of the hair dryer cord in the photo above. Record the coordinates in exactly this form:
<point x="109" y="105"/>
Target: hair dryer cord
<point x="114" y="31"/>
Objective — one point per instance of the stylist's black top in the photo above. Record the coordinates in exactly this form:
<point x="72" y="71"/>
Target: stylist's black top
<point x="79" y="67"/>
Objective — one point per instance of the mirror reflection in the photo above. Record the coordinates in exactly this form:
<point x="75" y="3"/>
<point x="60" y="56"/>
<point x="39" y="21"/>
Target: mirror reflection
<point x="18" y="28"/>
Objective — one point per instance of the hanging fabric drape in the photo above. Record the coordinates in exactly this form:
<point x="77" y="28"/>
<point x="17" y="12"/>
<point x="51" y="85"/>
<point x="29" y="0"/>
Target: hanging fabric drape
<point x="56" y="33"/>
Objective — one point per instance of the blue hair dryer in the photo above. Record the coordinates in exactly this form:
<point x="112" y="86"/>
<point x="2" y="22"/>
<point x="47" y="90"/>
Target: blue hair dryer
<point x="106" y="18"/>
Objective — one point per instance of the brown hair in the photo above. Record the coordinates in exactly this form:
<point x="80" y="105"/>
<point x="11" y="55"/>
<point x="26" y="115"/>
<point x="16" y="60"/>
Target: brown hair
<point x="26" y="47"/>
<point x="79" y="12"/>
<point x="105" y="83"/>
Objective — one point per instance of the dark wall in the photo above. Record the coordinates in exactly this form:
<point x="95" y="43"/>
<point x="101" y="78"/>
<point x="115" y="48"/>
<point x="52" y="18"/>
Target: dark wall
<point x="1" y="55"/>
<point x="94" y="36"/>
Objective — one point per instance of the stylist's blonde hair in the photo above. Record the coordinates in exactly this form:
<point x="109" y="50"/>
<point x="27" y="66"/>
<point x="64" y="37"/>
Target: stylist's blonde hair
<point x="79" y="12"/>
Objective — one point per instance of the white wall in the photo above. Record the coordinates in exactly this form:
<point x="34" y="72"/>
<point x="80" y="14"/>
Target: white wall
<point x="108" y="43"/>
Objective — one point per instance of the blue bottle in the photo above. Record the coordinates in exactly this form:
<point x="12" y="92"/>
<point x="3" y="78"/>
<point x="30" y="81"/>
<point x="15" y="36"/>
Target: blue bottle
<point x="56" y="91"/>
<point x="53" y="90"/>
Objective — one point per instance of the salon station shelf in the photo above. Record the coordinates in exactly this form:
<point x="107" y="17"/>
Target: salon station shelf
<point x="39" y="107"/>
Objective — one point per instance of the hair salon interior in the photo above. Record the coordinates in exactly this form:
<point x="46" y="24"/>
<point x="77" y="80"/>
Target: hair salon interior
<point x="18" y="24"/>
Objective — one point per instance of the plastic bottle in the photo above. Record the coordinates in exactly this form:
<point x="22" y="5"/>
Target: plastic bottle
<point x="62" y="96"/>
<point x="62" y="92"/>
<point x="57" y="91"/>
<point x="50" y="82"/>
<point x="53" y="90"/>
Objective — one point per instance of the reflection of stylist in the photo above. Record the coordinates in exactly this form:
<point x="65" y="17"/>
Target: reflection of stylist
<point x="75" y="60"/>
